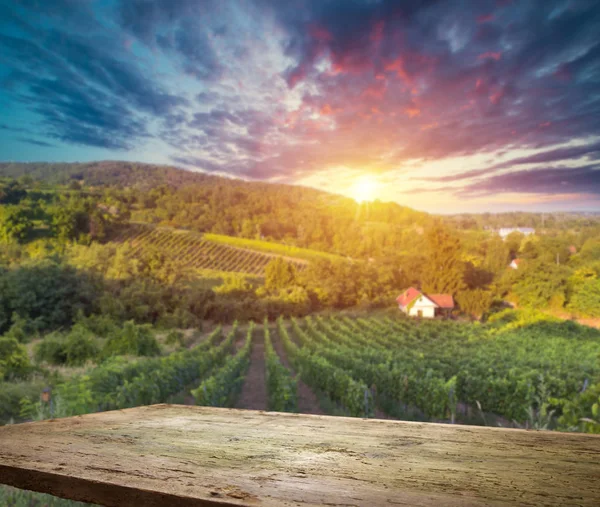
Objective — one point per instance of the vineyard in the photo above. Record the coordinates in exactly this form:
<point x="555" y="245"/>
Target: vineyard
<point x="511" y="372"/>
<point x="213" y="252"/>
<point x="545" y="374"/>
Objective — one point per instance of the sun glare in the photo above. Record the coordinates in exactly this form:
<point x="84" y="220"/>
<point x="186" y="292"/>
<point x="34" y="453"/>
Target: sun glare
<point x="364" y="189"/>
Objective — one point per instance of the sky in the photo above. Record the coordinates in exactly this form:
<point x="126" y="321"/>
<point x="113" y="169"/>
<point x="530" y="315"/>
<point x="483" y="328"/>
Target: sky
<point x="445" y="106"/>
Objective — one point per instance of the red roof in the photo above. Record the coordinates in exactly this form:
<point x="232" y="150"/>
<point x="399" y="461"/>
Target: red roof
<point x="408" y="296"/>
<point x="517" y="261"/>
<point x="442" y="300"/>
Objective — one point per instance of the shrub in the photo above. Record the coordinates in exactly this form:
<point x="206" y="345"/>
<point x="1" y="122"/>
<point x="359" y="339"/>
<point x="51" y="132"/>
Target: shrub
<point x="80" y="346"/>
<point x="21" y="329"/>
<point x="11" y="395"/>
<point x="46" y="293"/>
<point x="99" y="325"/>
<point x="175" y="338"/>
<point x="14" y="361"/>
<point x="132" y="339"/>
<point x="51" y="350"/>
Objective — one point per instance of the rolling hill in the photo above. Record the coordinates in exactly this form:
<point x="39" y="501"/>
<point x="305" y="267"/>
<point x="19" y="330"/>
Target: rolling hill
<point x="293" y="216"/>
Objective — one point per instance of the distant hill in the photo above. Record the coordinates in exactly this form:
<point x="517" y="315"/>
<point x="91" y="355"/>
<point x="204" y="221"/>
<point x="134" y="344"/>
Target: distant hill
<point x="104" y="173"/>
<point x="293" y="215"/>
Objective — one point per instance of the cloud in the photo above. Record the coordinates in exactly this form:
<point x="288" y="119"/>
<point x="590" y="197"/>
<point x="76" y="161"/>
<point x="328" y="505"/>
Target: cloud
<point x="592" y="151"/>
<point x="583" y="180"/>
<point x="35" y="142"/>
<point x="181" y="28"/>
<point x="264" y="88"/>
<point x="84" y="93"/>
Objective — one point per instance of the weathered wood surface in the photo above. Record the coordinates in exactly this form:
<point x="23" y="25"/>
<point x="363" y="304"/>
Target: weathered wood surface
<point x="176" y="455"/>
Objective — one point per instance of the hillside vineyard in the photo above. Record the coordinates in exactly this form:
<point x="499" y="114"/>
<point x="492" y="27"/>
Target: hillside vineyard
<point x="191" y="250"/>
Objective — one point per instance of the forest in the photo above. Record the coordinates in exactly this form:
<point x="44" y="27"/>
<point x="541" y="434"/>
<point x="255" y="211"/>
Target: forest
<point x="127" y="284"/>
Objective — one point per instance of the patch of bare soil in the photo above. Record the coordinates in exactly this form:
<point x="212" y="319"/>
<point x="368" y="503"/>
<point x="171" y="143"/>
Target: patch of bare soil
<point x="307" y="400"/>
<point x="254" y="390"/>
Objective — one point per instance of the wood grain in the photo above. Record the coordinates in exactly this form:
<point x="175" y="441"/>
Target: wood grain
<point x="178" y="455"/>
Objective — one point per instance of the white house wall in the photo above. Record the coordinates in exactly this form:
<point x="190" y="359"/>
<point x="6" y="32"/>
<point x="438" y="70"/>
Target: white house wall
<point x="425" y="306"/>
<point x="426" y="311"/>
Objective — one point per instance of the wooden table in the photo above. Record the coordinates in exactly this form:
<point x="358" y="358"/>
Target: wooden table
<point x="179" y="455"/>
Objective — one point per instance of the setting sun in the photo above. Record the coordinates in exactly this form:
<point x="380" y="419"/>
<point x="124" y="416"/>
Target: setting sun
<point x="364" y="189"/>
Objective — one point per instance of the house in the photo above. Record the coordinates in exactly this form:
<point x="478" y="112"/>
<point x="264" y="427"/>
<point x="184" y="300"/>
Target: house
<point x="505" y="231"/>
<point x="573" y="249"/>
<point x="418" y="304"/>
<point x="515" y="263"/>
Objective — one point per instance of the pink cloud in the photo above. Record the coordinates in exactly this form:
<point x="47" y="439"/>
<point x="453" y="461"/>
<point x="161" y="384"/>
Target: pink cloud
<point x="377" y="33"/>
<point x="491" y="54"/>
<point x="320" y="33"/>
<point x="399" y="67"/>
<point x="375" y="90"/>
<point x="496" y="97"/>
<point x="485" y="18"/>
<point x="350" y="63"/>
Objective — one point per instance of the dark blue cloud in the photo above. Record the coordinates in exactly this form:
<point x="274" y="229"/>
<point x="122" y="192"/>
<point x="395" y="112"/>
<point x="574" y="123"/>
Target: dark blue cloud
<point x="83" y="88"/>
<point x="35" y="142"/>
<point x="179" y="28"/>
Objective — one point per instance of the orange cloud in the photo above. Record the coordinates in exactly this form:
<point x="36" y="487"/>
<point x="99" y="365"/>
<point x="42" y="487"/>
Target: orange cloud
<point x="412" y="111"/>
<point x="430" y="126"/>
<point x="397" y="66"/>
<point x="326" y="110"/>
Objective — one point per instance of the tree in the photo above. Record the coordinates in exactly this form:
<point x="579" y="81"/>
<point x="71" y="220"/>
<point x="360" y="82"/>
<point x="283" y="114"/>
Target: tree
<point x="46" y="293"/>
<point x="530" y="249"/>
<point x="15" y="223"/>
<point x="590" y="250"/>
<point x="280" y="274"/>
<point x="497" y="255"/>
<point x="14" y="361"/>
<point x="585" y="301"/>
<point x="513" y="242"/>
<point x="11" y="193"/>
<point x="444" y="269"/>
<point x="541" y="285"/>
<point x="475" y="302"/>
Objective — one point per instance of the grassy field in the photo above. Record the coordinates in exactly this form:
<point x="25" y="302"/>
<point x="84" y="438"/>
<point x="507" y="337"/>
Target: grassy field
<point x="293" y="252"/>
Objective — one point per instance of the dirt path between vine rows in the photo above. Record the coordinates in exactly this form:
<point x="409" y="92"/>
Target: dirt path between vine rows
<point x="308" y="402"/>
<point x="254" y="390"/>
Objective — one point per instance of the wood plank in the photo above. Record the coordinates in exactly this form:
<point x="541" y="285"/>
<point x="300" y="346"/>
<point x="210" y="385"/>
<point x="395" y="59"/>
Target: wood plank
<point x="179" y="455"/>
